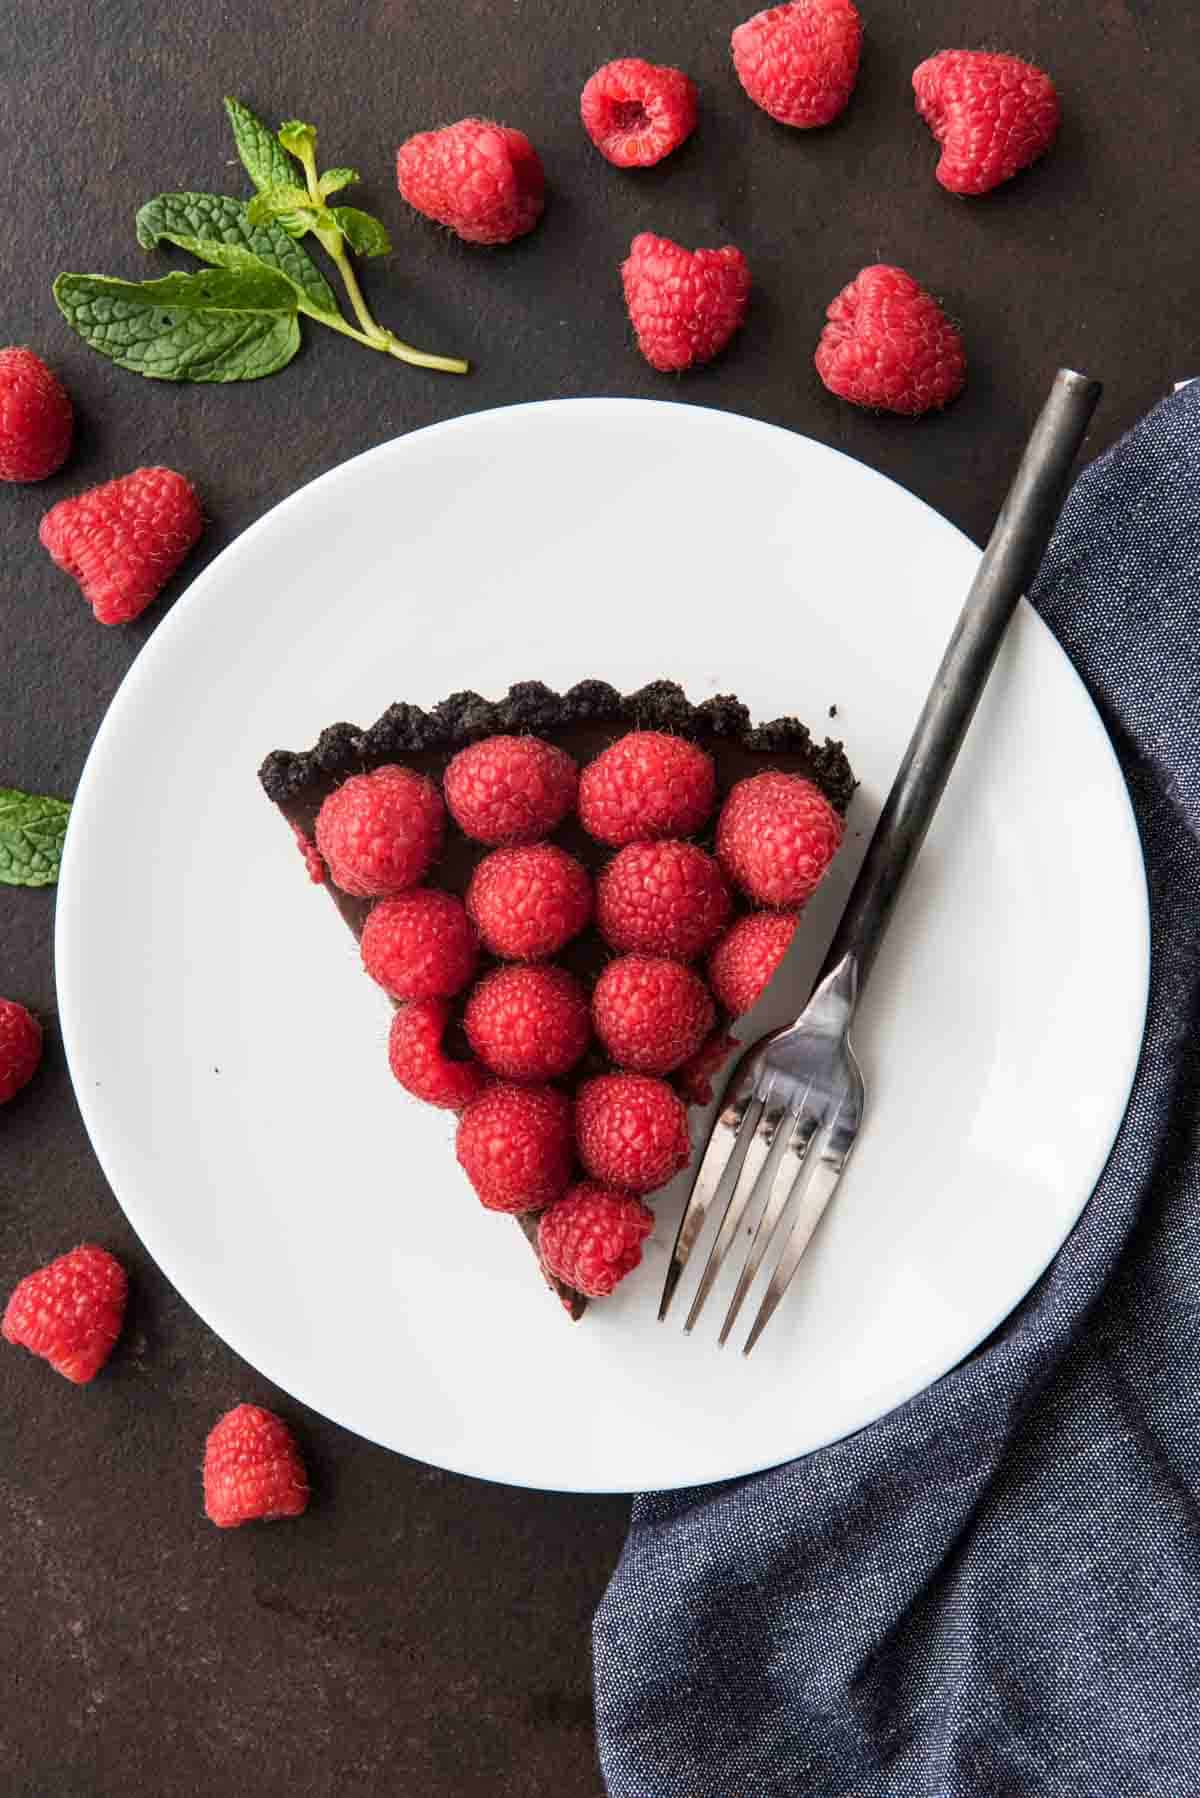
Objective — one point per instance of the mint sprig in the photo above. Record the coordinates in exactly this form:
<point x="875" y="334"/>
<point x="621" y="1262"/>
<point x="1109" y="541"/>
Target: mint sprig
<point x="333" y="226"/>
<point x="239" y="320"/>
<point x="32" y="828"/>
<point x="221" y="231"/>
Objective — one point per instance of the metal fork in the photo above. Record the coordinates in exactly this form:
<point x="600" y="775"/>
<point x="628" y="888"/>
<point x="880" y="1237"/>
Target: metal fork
<point x="793" y="1107"/>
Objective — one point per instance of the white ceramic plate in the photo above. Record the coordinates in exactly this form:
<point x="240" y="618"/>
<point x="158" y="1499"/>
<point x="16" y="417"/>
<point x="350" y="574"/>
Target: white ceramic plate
<point x="229" y="1056"/>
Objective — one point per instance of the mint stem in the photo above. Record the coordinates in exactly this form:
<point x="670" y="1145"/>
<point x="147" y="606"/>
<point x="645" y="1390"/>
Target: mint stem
<point x="388" y="342"/>
<point x="345" y="269"/>
<point x="404" y="352"/>
<point x="371" y="334"/>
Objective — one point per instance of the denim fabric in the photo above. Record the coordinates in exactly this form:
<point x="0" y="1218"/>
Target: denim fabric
<point x="995" y="1590"/>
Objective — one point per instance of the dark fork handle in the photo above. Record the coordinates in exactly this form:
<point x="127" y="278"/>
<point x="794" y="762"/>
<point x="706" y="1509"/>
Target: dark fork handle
<point x="1009" y="563"/>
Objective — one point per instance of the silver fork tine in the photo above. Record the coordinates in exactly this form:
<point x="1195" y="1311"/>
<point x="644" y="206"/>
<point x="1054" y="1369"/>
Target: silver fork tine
<point x="731" y="1137"/>
<point x="770" y="1139"/>
<point x="821" y="1186"/>
<point x="838" y="1140"/>
<point x="789" y="1170"/>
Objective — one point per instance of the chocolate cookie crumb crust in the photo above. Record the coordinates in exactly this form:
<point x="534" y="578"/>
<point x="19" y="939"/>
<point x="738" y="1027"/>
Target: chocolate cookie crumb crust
<point x="531" y="707"/>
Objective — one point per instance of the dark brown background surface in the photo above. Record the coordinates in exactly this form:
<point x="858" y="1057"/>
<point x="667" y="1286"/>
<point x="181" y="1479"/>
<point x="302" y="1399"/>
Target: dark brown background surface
<point x="420" y="1633"/>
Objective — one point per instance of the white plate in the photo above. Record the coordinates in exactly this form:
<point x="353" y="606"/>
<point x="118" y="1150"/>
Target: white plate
<point x="229" y="1056"/>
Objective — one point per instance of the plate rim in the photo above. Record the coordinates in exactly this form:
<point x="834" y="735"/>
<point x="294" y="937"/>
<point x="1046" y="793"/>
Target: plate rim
<point x="181" y="618"/>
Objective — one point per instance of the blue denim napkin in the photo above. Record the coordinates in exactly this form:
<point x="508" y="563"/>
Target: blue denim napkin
<point x="993" y="1592"/>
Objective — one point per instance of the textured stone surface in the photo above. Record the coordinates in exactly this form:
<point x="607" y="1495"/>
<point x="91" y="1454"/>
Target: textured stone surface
<point x="421" y="1633"/>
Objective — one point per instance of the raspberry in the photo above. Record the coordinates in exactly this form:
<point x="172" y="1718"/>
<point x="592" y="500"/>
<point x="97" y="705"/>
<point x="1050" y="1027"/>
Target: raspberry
<point x="592" y="1237"/>
<point x="746" y="957"/>
<point x="123" y="541"/>
<point x="421" y="1065"/>
<point x="800" y="62"/>
<point x="381" y="832"/>
<point x="528" y="1023"/>
<point x="484" y="181"/>
<point x="648" y="784"/>
<point x="252" y="1469"/>
<point x="650" y="1013"/>
<point x="694" y="1079"/>
<point x="776" y="836"/>
<point x="528" y="902"/>
<point x="20" y="1048"/>
<point x="36" y="420"/>
<point x="684" y="305"/>
<point x="516" y="1147"/>
<point x="664" y="898"/>
<point x="637" y="112"/>
<point x="70" y="1312"/>
<point x="421" y="945"/>
<point x="992" y="116"/>
<point x="312" y="856"/>
<point x="508" y="790"/>
<point x="631" y="1130"/>
<point x="889" y="345"/>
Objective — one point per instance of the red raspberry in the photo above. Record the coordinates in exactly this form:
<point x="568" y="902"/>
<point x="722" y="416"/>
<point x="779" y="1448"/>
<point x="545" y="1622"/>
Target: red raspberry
<point x="694" y="1079"/>
<point x="592" y="1237"/>
<point x="252" y="1469"/>
<point x="992" y="115"/>
<point x="421" y="945"/>
<point x="631" y="1130"/>
<point x="889" y="345"/>
<point x="508" y="790"/>
<point x="664" y="898"/>
<point x="421" y="1065"/>
<point x="528" y="902"/>
<point x="743" y="962"/>
<point x="20" y="1048"/>
<point x="637" y="112"/>
<point x="650" y="1013"/>
<point x="684" y="305"/>
<point x="312" y="856"/>
<point x="776" y="836"/>
<point x="381" y="832"/>
<point x="800" y="62"/>
<point x="36" y="420"/>
<point x="70" y="1312"/>
<point x="648" y="784"/>
<point x="528" y="1023"/>
<point x="483" y="180"/>
<point x="516" y="1147"/>
<point x="123" y="541"/>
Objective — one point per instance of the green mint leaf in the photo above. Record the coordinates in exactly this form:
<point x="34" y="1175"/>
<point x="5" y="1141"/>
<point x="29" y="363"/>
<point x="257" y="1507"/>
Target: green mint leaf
<point x="334" y="179"/>
<point x="258" y="147"/>
<point x="297" y="138"/>
<point x="362" y="232"/>
<point x="221" y="324"/>
<point x="32" y="827"/>
<point x="280" y="203"/>
<point x="217" y="230"/>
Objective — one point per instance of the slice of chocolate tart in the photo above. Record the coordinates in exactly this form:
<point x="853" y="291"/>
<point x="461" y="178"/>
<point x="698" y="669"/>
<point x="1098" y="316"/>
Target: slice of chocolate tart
<point x="583" y="722"/>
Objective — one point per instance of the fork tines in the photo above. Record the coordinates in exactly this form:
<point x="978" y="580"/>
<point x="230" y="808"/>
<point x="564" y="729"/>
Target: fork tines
<point x="778" y="1146"/>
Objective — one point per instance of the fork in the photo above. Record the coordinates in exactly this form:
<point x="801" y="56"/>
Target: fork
<point x="793" y="1108"/>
